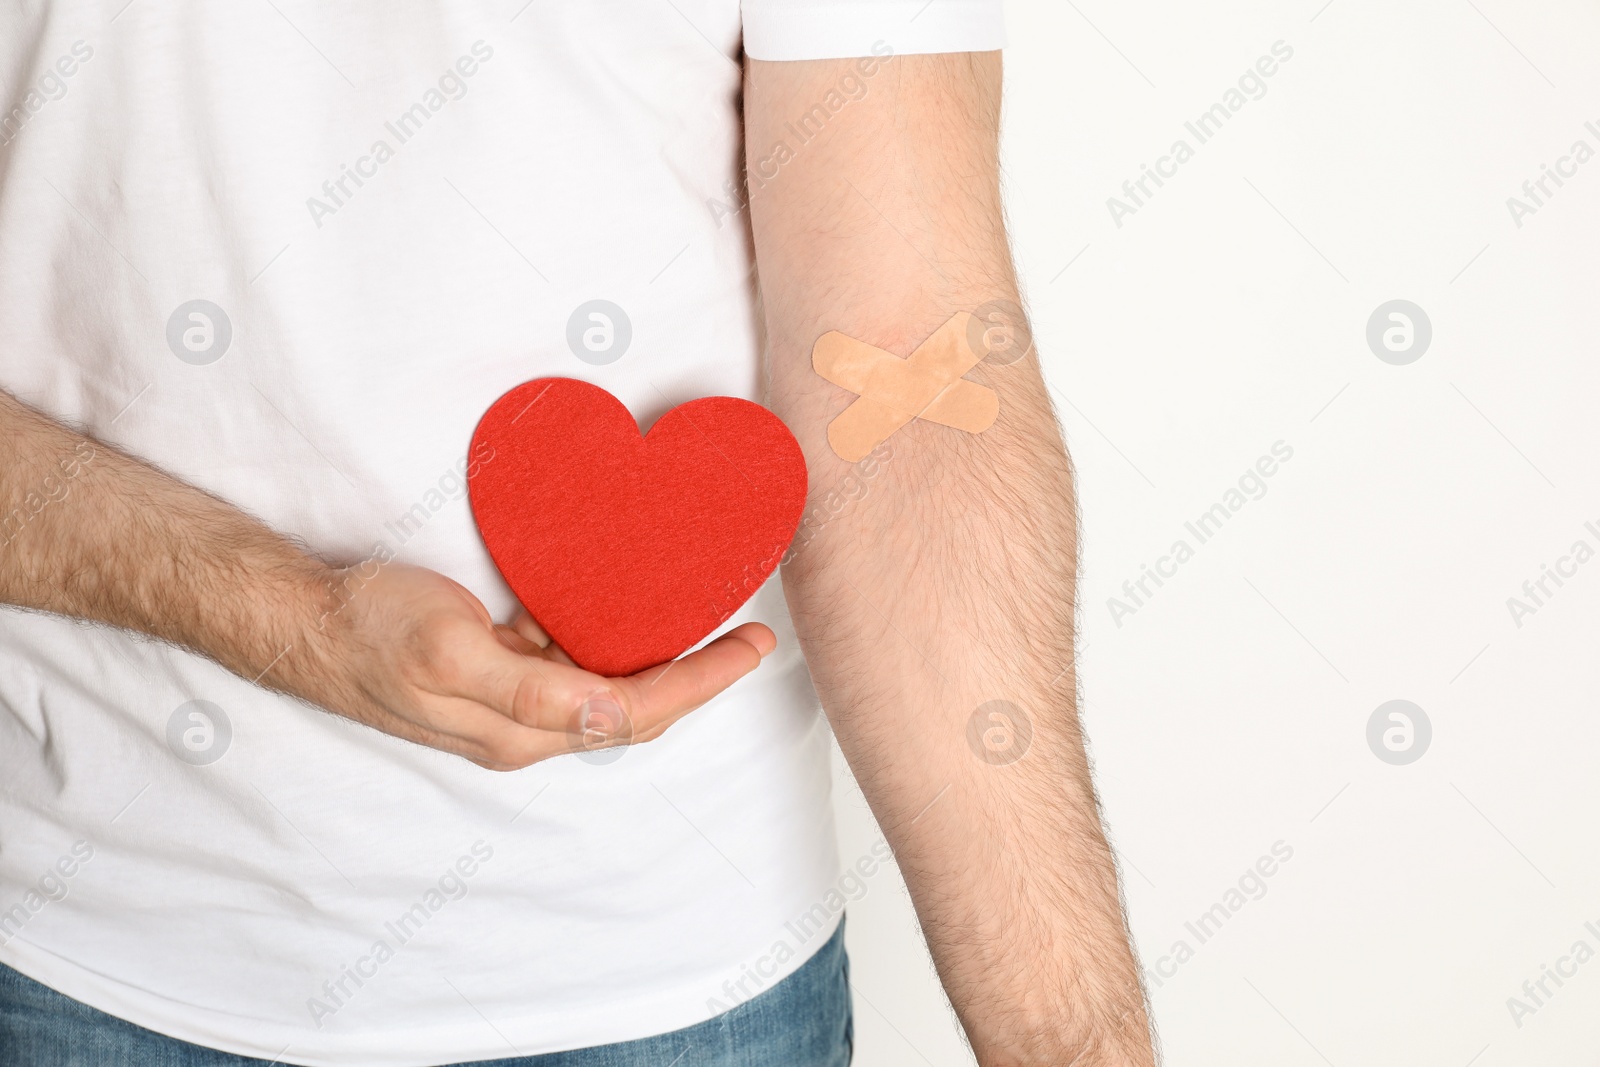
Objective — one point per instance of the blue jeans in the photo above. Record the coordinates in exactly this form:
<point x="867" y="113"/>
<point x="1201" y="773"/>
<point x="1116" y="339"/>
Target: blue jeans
<point x="803" y="1021"/>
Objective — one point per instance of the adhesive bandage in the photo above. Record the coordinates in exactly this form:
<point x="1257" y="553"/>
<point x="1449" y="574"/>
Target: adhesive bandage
<point x="892" y="391"/>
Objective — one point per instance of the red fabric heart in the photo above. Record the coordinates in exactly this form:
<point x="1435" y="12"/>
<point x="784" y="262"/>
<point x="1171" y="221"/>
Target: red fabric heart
<point x="629" y="549"/>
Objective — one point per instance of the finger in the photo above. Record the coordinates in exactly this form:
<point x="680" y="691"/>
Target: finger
<point x="494" y="669"/>
<point x="524" y="647"/>
<point x="759" y="635"/>
<point x="477" y="734"/>
<point x="524" y="624"/>
<point x="560" y="698"/>
<point x="660" y="696"/>
<point x="515" y="641"/>
<point x="528" y="628"/>
<point x="492" y="741"/>
<point x="556" y="654"/>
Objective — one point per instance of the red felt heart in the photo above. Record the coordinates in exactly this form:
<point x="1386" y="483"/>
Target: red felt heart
<point x="629" y="549"/>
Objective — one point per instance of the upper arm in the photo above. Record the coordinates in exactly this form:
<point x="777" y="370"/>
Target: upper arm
<point x="874" y="192"/>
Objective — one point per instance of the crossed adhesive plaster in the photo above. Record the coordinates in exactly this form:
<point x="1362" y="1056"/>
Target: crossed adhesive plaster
<point x="892" y="391"/>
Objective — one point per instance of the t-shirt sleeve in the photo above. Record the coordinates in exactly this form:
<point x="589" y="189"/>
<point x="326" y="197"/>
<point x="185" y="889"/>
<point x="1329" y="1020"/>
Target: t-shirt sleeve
<point x="840" y="29"/>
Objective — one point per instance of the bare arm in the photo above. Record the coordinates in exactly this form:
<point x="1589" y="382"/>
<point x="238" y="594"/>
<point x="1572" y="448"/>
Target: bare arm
<point x="948" y="583"/>
<point x="94" y="534"/>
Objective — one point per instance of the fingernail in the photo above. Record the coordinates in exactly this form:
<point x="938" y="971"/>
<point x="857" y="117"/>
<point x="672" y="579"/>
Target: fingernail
<point x="600" y="718"/>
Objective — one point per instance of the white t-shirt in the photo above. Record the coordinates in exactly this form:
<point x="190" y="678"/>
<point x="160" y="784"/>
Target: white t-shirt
<point x="290" y="252"/>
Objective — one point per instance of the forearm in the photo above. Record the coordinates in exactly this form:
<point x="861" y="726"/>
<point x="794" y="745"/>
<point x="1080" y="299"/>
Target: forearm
<point x="94" y="534"/>
<point x="949" y="582"/>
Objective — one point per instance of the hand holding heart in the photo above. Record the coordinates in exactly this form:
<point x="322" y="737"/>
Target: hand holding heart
<point x="630" y="548"/>
<point x="414" y="654"/>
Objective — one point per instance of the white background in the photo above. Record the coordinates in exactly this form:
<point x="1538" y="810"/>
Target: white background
<point x="1230" y="712"/>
